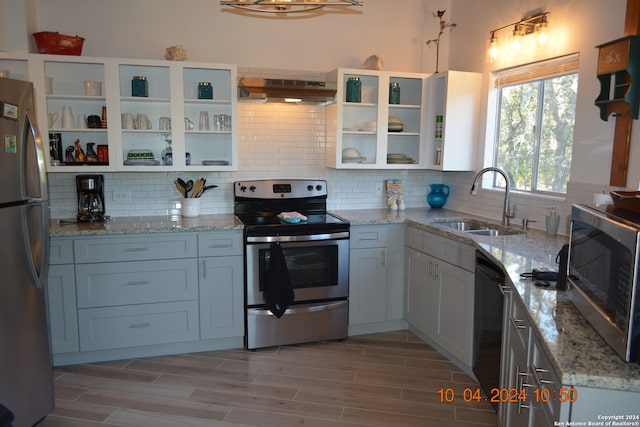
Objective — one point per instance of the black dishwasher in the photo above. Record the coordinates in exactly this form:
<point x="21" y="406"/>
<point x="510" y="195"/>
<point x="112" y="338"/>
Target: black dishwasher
<point x="487" y="325"/>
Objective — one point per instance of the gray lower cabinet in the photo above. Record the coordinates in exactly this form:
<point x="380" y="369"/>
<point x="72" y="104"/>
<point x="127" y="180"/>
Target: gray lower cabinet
<point x="61" y="298"/>
<point x="439" y="294"/>
<point x="528" y="370"/>
<point x="136" y="290"/>
<point x="113" y="293"/>
<point x="375" y="277"/>
<point x="516" y="380"/>
<point x="127" y="304"/>
<point x="221" y="284"/>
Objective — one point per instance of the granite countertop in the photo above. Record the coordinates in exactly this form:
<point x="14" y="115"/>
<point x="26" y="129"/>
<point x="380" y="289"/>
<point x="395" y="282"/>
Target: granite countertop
<point x="579" y="354"/>
<point x="144" y="225"/>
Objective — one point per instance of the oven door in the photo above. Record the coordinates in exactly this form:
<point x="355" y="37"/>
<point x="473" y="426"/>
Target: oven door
<point x="318" y="266"/>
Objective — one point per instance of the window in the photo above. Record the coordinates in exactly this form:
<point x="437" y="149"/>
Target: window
<point x="534" y="134"/>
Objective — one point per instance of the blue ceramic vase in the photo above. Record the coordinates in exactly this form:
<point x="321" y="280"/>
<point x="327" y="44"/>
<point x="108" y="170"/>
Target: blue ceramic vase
<point x="437" y="197"/>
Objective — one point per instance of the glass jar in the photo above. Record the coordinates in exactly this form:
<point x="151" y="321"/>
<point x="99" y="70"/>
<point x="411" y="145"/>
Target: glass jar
<point x="394" y="93"/>
<point x="205" y="90"/>
<point x="139" y="86"/>
<point x="354" y="89"/>
<point x="92" y="156"/>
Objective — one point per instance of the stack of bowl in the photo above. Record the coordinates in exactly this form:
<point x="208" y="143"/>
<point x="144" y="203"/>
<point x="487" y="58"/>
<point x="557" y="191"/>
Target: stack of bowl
<point x="352" y="155"/>
<point x="395" y="124"/>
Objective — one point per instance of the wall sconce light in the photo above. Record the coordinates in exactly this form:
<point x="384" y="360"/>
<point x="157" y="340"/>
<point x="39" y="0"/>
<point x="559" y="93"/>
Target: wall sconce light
<point x="536" y="23"/>
<point x="286" y="6"/>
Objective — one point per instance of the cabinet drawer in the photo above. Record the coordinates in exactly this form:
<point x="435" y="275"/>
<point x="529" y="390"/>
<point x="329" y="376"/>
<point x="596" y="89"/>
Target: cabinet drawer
<point x="544" y="377"/>
<point x="61" y="251"/>
<point x="122" y="283"/>
<point x="137" y="325"/>
<point x="368" y="237"/>
<point x="519" y="324"/>
<point x="448" y="250"/>
<point x="415" y="238"/>
<point x="219" y="244"/>
<point x="135" y="248"/>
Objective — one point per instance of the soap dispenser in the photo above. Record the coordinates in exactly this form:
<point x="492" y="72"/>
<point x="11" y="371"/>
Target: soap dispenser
<point x="552" y="221"/>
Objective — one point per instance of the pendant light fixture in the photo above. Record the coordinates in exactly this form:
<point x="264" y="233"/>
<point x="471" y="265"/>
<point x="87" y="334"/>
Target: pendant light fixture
<point x="287" y="6"/>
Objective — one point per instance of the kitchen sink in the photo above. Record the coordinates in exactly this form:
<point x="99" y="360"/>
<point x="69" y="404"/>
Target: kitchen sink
<point x="479" y="228"/>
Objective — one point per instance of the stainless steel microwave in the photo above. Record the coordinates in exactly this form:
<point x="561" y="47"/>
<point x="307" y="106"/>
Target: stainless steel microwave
<point x="604" y="272"/>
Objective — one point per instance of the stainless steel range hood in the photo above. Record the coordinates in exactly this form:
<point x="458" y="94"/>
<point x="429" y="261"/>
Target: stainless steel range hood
<point x="260" y="89"/>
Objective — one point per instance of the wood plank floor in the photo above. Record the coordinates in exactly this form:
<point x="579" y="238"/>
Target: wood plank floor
<point x="387" y="379"/>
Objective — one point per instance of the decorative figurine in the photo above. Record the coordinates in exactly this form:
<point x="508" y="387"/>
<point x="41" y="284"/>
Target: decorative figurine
<point x="443" y="26"/>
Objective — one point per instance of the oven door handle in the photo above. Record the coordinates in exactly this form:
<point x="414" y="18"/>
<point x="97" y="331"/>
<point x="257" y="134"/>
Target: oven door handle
<point x="305" y="309"/>
<point x="301" y="238"/>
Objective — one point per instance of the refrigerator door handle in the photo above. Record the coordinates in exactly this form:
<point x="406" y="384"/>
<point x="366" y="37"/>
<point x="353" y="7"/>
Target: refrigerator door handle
<point x="36" y="210"/>
<point x="39" y="156"/>
<point x="37" y="238"/>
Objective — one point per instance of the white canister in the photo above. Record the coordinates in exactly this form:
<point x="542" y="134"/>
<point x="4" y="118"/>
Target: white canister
<point x="92" y="88"/>
<point x="190" y="207"/>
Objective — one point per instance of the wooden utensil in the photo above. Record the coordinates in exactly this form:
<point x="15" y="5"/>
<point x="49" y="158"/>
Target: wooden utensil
<point x="180" y="188"/>
<point x="197" y="188"/>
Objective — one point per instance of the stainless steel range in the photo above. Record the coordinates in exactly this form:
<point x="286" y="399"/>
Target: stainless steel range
<point x="311" y="285"/>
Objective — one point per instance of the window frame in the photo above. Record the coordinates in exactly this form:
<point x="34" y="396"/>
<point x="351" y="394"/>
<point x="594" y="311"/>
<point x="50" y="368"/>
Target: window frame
<point x="537" y="72"/>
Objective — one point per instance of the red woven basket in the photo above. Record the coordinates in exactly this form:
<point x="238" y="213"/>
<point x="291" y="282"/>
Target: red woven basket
<point x="58" y="44"/>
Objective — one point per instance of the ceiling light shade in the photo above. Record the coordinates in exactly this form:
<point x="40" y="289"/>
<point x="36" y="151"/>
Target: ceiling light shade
<point x="542" y="31"/>
<point x="515" y="44"/>
<point x="492" y="51"/>
<point x="286" y="6"/>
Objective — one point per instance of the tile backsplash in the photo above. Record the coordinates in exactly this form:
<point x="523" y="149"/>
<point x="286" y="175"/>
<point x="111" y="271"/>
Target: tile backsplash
<point x="288" y="141"/>
<point x="275" y="141"/>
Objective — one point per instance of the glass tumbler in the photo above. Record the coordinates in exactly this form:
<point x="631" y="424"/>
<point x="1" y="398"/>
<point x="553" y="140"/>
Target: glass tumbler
<point x="203" y="124"/>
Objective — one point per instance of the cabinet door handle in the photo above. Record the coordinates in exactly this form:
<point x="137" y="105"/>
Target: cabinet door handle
<point x="367" y="238"/>
<point x="139" y="325"/>
<point x="517" y="323"/>
<point x="521" y="376"/>
<point x="204" y="269"/>
<point x="136" y="249"/>
<point x="504" y="289"/>
<point x="435" y="271"/>
<point x="537" y="371"/>
<point x="138" y="282"/>
<point x="220" y="245"/>
<point x="383" y="257"/>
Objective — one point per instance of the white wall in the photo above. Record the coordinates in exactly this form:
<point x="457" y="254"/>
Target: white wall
<point x="574" y="26"/>
<point x="143" y="28"/>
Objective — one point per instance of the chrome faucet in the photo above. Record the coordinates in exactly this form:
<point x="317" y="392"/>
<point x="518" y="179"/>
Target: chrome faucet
<point x="507" y="214"/>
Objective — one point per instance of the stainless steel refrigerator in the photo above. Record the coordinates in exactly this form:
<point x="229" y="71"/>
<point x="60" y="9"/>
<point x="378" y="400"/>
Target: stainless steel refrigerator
<point x="26" y="380"/>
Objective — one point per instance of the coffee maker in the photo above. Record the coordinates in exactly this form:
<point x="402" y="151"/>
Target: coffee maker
<point x="90" y="190"/>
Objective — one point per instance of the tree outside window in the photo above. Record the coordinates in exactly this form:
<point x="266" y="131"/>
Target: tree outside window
<point x="535" y="133"/>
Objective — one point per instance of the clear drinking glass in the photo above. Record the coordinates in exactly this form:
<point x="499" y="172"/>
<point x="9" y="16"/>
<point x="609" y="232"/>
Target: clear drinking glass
<point x="203" y="124"/>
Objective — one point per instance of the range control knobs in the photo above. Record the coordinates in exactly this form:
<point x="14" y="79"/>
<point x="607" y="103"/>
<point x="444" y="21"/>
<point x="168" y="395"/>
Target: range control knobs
<point x="252" y="188"/>
<point x="310" y="187"/>
<point x="318" y="187"/>
<point x="243" y="188"/>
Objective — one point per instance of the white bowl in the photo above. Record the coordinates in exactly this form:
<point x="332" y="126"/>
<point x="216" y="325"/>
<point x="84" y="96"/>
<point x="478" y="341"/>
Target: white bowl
<point x="351" y="153"/>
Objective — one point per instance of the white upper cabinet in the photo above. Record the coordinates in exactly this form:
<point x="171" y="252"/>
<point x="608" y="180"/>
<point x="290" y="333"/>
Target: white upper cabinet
<point x="153" y="114"/>
<point x="363" y="127"/>
<point x="453" y="115"/>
